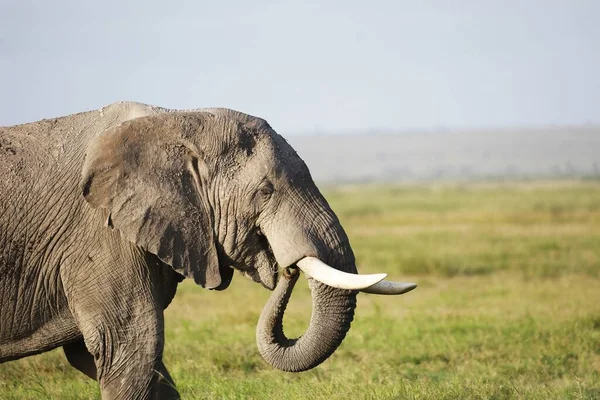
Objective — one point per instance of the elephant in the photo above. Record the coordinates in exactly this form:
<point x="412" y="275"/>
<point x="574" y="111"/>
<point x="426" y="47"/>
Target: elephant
<point x="103" y="213"/>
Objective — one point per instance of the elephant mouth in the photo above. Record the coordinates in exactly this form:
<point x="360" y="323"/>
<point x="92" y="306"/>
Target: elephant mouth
<point x="258" y="266"/>
<point x="265" y="269"/>
<point x="268" y="282"/>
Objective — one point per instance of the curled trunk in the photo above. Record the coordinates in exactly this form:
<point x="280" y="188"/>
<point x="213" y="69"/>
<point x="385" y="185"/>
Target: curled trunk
<point x="332" y="313"/>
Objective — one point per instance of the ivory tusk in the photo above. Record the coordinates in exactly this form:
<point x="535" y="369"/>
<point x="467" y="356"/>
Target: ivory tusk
<point x="390" y="288"/>
<point x="322" y="272"/>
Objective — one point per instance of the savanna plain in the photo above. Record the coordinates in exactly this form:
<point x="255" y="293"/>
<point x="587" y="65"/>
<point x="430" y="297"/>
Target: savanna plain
<point x="508" y="306"/>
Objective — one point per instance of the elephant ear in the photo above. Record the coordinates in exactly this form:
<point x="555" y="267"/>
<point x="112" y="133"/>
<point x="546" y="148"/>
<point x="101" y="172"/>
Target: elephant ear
<point x="153" y="184"/>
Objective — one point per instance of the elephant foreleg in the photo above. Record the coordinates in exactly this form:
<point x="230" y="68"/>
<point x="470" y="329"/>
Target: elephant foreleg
<point x="80" y="358"/>
<point x="128" y="360"/>
<point x="124" y="338"/>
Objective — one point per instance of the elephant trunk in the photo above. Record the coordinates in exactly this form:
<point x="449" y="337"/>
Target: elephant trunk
<point x="333" y="311"/>
<point x="301" y="230"/>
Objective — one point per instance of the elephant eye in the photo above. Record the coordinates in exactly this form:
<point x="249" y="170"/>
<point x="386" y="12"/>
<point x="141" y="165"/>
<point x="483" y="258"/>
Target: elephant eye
<point x="266" y="190"/>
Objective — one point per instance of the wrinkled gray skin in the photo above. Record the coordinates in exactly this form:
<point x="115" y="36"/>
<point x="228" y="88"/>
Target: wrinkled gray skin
<point x="102" y="213"/>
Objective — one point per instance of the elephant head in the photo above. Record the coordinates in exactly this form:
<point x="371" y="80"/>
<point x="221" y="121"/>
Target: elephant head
<point x="214" y="191"/>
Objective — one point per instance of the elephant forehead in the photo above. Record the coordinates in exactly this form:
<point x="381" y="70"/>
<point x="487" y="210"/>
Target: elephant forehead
<point x="274" y="158"/>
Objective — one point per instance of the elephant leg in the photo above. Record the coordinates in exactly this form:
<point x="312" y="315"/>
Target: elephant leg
<point x="122" y="323"/>
<point x="128" y="357"/>
<point x="80" y="358"/>
<point x="166" y="386"/>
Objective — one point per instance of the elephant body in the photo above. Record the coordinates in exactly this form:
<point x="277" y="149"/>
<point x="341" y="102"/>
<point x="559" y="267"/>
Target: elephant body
<point x="103" y="213"/>
<point x="61" y="272"/>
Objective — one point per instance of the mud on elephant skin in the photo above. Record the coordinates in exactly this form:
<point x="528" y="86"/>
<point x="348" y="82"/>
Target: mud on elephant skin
<point x="103" y="213"/>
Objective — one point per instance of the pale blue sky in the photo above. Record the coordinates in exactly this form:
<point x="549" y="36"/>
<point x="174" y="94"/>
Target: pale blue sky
<point x="308" y="65"/>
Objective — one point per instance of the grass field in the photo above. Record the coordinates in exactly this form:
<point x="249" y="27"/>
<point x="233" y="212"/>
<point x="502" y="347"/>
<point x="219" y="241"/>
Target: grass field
<point x="508" y="306"/>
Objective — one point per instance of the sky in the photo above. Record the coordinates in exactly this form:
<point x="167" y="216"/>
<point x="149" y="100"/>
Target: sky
<point x="308" y="66"/>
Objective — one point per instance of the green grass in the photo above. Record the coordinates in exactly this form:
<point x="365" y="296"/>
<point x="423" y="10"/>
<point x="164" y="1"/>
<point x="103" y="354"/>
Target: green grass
<point x="508" y="306"/>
